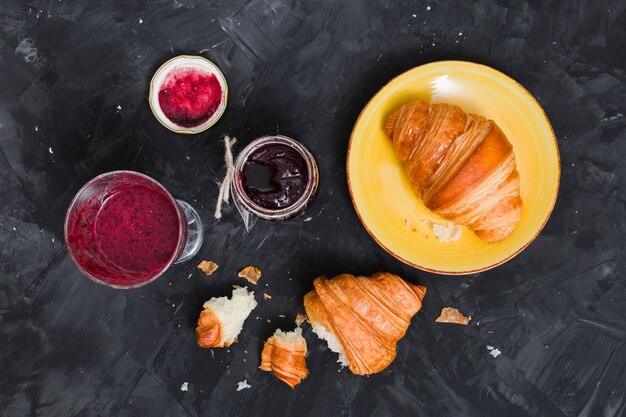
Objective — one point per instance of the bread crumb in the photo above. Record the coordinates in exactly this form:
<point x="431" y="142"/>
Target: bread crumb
<point x="251" y="273"/>
<point x="189" y="276"/>
<point x="243" y="385"/>
<point x="208" y="267"/>
<point x="184" y="387"/>
<point x="266" y="296"/>
<point x="236" y="286"/>
<point x="300" y="318"/>
<point x="452" y="315"/>
<point x="407" y="222"/>
<point x="495" y="352"/>
<point x="449" y="233"/>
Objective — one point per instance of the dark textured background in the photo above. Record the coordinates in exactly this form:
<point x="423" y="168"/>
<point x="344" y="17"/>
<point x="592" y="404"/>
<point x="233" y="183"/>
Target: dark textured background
<point x="74" y="76"/>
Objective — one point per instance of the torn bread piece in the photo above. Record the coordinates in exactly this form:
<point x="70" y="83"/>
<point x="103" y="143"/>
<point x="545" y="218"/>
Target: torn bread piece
<point x="251" y="273"/>
<point x="452" y="315"/>
<point x="284" y="355"/>
<point x="243" y="385"/>
<point x="222" y="319"/>
<point x="208" y="267"/>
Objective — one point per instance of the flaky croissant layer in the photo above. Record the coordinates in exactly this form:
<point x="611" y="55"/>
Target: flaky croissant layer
<point x="461" y="165"/>
<point x="284" y="355"/>
<point x="362" y="318"/>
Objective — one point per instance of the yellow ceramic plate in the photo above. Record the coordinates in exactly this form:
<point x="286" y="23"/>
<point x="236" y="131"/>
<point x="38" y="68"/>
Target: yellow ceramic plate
<point x="391" y="212"/>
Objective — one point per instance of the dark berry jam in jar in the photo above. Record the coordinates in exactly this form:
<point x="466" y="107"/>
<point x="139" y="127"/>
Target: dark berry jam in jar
<point x="275" y="177"/>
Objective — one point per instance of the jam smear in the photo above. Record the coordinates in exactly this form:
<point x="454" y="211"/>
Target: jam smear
<point x="189" y="97"/>
<point x="275" y="176"/>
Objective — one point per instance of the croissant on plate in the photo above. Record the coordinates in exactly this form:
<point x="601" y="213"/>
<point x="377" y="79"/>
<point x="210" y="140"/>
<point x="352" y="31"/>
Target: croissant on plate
<point x="284" y="355"/>
<point x="461" y="165"/>
<point x="362" y="318"/>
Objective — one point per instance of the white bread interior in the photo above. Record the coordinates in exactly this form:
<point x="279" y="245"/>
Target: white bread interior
<point x="331" y="341"/>
<point x="232" y="312"/>
<point x="289" y="338"/>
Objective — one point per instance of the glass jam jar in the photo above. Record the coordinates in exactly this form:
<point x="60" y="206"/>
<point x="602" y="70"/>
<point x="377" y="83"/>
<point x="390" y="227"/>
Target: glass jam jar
<point x="275" y="177"/>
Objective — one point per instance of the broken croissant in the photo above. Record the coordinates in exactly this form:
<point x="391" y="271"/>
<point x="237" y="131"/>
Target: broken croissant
<point x="283" y="355"/>
<point x="362" y="318"/>
<point x="461" y="165"/>
<point x="222" y="319"/>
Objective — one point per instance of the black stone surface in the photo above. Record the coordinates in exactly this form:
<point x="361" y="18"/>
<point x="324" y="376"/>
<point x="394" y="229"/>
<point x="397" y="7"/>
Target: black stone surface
<point x="73" y="86"/>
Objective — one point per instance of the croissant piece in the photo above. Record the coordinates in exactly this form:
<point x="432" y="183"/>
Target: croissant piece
<point x="362" y="318"/>
<point x="222" y="319"/>
<point x="284" y="355"/>
<point x="461" y="165"/>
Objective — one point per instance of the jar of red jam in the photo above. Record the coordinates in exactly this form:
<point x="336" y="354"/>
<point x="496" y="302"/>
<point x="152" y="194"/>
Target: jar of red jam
<point x="275" y="177"/>
<point x="188" y="94"/>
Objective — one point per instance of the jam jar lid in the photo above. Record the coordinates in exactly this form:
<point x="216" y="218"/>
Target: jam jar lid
<point x="294" y="201"/>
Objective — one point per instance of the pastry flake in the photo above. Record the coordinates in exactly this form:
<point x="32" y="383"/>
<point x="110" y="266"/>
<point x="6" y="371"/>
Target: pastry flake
<point x="266" y="296"/>
<point x="208" y="267"/>
<point x="452" y="315"/>
<point x="300" y="318"/>
<point x="251" y="273"/>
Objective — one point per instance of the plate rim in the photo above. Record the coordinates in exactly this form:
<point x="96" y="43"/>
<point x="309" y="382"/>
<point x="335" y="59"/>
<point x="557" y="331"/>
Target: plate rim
<point x="558" y="169"/>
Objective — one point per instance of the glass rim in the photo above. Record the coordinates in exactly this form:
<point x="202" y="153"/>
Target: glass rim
<point x="285" y="212"/>
<point x="72" y="205"/>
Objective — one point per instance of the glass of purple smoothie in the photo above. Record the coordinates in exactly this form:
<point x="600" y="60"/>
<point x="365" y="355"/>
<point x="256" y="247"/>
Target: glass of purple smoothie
<point x="123" y="229"/>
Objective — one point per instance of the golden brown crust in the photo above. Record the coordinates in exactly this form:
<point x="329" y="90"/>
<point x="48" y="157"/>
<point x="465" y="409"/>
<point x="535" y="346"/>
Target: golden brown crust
<point x="209" y="330"/>
<point x="285" y="360"/>
<point x="367" y="315"/>
<point x="406" y="123"/>
<point x="392" y="119"/>
<point x="445" y="123"/>
<point x="491" y="152"/>
<point x="461" y="165"/>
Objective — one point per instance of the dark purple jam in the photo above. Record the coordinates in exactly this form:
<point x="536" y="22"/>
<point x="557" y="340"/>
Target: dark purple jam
<point x="275" y="176"/>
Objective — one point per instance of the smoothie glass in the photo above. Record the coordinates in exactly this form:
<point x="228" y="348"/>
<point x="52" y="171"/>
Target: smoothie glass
<point x="123" y="229"/>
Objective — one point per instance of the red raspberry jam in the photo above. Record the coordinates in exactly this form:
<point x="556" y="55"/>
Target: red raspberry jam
<point x="189" y="97"/>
